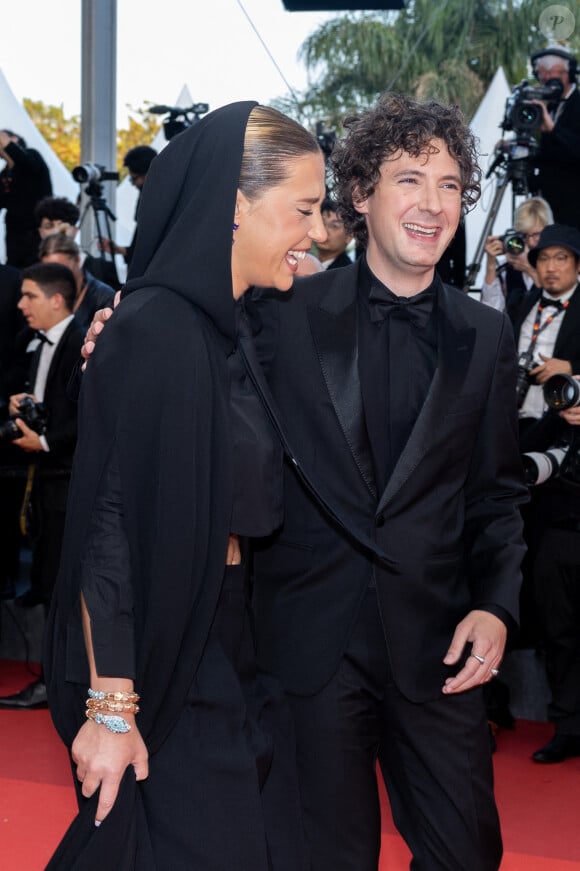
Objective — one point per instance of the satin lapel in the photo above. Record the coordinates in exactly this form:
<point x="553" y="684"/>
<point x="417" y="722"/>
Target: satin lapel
<point x="256" y="374"/>
<point x="334" y="326"/>
<point x="455" y="342"/>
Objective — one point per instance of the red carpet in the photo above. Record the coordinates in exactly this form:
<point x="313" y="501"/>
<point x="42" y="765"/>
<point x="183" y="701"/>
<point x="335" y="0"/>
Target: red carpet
<point x="539" y="805"/>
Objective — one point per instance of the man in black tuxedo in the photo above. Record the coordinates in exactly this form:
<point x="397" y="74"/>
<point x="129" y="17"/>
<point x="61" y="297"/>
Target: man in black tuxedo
<point x="384" y="601"/>
<point x="48" y="294"/>
<point x="547" y="323"/>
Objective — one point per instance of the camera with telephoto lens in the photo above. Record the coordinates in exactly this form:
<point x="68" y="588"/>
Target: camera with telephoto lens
<point x="93" y="173"/>
<point x="538" y="467"/>
<point x="513" y="242"/>
<point x="561" y="392"/>
<point x="521" y="115"/>
<point x="525" y="365"/>
<point x="32" y="413"/>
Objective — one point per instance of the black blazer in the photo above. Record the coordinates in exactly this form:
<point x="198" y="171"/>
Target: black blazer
<point x="61" y="431"/>
<point x="446" y="532"/>
<point x="559" y="164"/>
<point x="340" y="261"/>
<point x="12" y="362"/>
<point x="567" y="345"/>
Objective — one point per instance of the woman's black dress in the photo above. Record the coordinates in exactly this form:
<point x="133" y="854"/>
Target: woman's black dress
<point x="168" y="431"/>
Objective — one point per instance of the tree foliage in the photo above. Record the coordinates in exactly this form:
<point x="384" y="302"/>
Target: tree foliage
<point x="63" y="133"/>
<point x="447" y="50"/>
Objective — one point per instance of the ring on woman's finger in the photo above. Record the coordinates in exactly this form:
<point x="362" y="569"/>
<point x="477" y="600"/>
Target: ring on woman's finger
<point x="494" y="671"/>
<point x="480" y="659"/>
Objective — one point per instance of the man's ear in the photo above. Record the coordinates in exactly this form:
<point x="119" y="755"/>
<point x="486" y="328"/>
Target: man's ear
<point x="359" y="200"/>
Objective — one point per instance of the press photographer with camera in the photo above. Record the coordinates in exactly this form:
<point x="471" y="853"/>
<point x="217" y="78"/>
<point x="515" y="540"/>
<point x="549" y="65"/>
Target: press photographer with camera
<point x="24" y="180"/>
<point x="43" y="420"/>
<point x="553" y="472"/>
<point x="558" y="157"/>
<point x="547" y="323"/>
<point x="137" y="160"/>
<point x="505" y="284"/>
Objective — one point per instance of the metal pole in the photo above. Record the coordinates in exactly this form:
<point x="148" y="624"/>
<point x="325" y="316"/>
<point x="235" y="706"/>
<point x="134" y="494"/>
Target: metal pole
<point x="99" y="95"/>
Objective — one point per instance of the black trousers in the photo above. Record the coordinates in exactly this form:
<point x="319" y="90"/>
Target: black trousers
<point x="557" y="579"/>
<point x="434" y="757"/>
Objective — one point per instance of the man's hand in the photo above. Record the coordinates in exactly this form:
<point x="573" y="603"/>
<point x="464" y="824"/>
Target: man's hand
<point x="548" y="123"/>
<point x="102" y="757"/>
<point x="97" y="325"/>
<point x="487" y="635"/>
<point x="29" y="441"/>
<point x="550" y="366"/>
<point x="16" y="399"/>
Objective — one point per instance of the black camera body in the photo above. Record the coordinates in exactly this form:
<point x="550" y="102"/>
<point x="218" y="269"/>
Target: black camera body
<point x="523" y="380"/>
<point x="513" y="242"/>
<point x="521" y="115"/>
<point x="32" y="413"/>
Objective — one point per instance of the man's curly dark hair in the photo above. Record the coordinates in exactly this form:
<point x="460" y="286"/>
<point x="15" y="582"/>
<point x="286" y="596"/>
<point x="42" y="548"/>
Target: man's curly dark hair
<point x="396" y="124"/>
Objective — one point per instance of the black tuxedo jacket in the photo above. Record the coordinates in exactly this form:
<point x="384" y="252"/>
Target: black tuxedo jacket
<point x="445" y="535"/>
<point x="12" y="361"/>
<point x="340" y="261"/>
<point x="567" y="345"/>
<point x="61" y="429"/>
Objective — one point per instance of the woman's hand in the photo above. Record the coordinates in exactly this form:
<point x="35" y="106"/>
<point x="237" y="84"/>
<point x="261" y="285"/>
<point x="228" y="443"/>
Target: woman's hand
<point x="96" y="328"/>
<point x="233" y="556"/>
<point x="102" y="758"/>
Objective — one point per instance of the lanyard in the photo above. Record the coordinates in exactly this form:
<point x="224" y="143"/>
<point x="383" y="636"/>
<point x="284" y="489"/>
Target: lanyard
<point x="537" y="328"/>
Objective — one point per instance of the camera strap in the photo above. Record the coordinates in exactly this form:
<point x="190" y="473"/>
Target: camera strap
<point x="539" y="327"/>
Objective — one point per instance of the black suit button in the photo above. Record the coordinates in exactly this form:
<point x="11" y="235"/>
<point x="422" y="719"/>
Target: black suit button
<point x="380" y="520"/>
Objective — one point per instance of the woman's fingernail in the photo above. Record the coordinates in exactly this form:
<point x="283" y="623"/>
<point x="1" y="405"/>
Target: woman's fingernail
<point x="98" y="823"/>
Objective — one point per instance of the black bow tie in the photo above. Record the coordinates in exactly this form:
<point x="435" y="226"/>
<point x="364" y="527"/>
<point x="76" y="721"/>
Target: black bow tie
<point x="417" y="309"/>
<point x="548" y="301"/>
<point x="43" y="338"/>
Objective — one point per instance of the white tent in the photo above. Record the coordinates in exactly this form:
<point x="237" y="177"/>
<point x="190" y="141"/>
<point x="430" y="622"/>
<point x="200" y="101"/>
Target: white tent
<point x="14" y="117"/>
<point x="486" y="126"/>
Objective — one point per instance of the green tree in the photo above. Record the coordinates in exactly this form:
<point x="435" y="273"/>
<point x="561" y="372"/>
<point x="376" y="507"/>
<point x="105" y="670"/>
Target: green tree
<point x="448" y="50"/>
<point x="63" y="133"/>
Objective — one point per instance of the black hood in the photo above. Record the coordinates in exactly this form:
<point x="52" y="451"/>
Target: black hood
<point x="186" y="211"/>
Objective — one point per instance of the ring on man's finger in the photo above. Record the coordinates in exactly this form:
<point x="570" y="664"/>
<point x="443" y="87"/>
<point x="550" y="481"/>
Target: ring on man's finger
<point x="494" y="671"/>
<point x="480" y="659"/>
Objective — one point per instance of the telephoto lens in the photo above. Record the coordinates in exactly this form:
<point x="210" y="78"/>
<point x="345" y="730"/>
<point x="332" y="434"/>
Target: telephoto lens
<point x="562" y="392"/>
<point x="539" y="467"/>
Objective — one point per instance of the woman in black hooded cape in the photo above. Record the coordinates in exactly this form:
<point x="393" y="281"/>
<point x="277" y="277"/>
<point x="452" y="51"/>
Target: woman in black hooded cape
<point x="158" y="486"/>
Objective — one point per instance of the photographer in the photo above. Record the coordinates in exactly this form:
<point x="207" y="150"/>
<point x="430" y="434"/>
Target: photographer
<point x="505" y="285"/>
<point x="137" y="160"/>
<point x="547" y="323"/>
<point x="47" y="433"/>
<point x="558" y="159"/>
<point x="557" y="567"/>
<point x="23" y="182"/>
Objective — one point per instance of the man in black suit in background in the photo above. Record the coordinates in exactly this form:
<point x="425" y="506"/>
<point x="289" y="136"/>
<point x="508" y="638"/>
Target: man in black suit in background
<point x="332" y="252"/>
<point x="384" y="602"/>
<point x="48" y="294"/>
